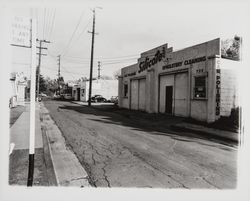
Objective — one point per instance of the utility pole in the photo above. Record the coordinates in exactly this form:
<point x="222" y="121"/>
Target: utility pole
<point x="32" y="103"/>
<point x="92" y="57"/>
<point x="99" y="69"/>
<point x="39" y="62"/>
<point x="59" y="75"/>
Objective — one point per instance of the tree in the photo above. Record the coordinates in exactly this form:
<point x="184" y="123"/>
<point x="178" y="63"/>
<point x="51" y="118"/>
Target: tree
<point x="42" y="83"/>
<point x="117" y="74"/>
<point x="230" y="48"/>
<point x="51" y="85"/>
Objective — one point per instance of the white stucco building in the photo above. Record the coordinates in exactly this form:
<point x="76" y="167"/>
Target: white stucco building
<point x="193" y="82"/>
<point x="104" y="87"/>
<point x="18" y="85"/>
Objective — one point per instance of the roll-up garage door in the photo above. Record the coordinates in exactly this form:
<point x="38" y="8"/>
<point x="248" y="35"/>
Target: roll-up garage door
<point x="134" y="94"/>
<point x="138" y="94"/>
<point x="181" y="94"/>
<point x="142" y="94"/>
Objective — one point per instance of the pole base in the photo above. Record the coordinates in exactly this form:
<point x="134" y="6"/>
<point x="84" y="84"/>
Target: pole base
<point x="31" y="169"/>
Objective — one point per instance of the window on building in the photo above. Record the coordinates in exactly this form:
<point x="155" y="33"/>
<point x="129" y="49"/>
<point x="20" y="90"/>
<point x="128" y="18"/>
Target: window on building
<point x="200" y="87"/>
<point x="125" y="90"/>
<point x="83" y="92"/>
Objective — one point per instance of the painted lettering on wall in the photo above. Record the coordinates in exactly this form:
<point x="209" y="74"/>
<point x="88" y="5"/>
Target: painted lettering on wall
<point x="147" y="63"/>
<point x="217" y="96"/>
<point x="186" y="62"/>
<point x="130" y="74"/>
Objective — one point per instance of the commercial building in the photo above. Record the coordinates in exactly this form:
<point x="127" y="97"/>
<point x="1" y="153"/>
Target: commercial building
<point x="193" y="82"/>
<point x="104" y="87"/>
<point x="18" y="85"/>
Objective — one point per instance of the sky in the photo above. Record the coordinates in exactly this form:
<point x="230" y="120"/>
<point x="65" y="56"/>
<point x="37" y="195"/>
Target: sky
<point x="124" y="30"/>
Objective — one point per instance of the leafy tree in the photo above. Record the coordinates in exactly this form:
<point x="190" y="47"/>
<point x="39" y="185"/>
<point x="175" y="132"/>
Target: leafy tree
<point x="117" y="74"/>
<point x="230" y="48"/>
<point x="42" y="83"/>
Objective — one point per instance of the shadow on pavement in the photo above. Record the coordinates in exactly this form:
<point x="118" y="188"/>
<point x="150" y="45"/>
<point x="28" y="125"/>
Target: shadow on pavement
<point x="153" y="124"/>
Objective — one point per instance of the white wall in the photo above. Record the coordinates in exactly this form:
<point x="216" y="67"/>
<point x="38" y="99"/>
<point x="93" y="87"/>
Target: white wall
<point x="106" y="88"/>
<point x="229" y="85"/>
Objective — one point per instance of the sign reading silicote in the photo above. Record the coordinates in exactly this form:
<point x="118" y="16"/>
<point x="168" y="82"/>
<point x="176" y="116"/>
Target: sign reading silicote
<point x="148" y="62"/>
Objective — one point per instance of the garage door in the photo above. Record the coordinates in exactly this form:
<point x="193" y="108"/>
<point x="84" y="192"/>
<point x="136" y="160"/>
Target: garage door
<point x="181" y="94"/>
<point x="142" y="94"/>
<point x="134" y="95"/>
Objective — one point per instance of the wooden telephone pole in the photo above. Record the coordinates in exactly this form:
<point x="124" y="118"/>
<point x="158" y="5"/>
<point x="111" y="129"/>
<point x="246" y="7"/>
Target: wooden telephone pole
<point x="92" y="57"/>
<point x="59" y="75"/>
<point x="39" y="63"/>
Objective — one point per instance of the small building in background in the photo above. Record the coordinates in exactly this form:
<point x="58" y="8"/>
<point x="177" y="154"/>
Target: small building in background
<point x="104" y="87"/>
<point x="193" y="82"/>
<point x="18" y="84"/>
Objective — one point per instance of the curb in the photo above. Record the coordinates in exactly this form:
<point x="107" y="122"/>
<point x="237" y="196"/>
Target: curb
<point x="67" y="170"/>
<point x="206" y="133"/>
<point x="52" y="180"/>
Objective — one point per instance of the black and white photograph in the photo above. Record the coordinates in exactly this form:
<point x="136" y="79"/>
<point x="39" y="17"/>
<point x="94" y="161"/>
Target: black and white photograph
<point x="124" y="100"/>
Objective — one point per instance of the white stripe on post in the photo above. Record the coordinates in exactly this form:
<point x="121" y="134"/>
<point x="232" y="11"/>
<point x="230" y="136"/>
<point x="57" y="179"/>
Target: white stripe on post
<point x="33" y="88"/>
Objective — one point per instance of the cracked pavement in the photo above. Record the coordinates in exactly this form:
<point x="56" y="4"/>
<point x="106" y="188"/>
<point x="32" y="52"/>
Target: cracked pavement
<point x="119" y="151"/>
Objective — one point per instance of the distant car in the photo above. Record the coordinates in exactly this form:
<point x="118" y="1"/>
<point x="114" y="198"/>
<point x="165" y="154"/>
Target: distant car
<point x="67" y="96"/>
<point x="98" y="99"/>
<point x="114" y="99"/>
<point x="43" y="95"/>
<point x="39" y="98"/>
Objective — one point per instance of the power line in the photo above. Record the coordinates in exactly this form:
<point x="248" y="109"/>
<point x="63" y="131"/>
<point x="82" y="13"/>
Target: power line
<point x="83" y="30"/>
<point x="50" y="21"/>
<point x="44" y="15"/>
<point x="73" y="34"/>
<point x="53" y="24"/>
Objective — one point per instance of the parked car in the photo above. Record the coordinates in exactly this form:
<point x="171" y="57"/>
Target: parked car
<point x="98" y="99"/>
<point x="67" y="96"/>
<point x="114" y="99"/>
<point x="43" y="95"/>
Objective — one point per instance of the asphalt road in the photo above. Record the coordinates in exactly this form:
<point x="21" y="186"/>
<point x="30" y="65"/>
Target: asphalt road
<point x="119" y="151"/>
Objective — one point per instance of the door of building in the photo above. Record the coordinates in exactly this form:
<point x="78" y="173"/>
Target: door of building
<point x="78" y="94"/>
<point x="169" y="99"/>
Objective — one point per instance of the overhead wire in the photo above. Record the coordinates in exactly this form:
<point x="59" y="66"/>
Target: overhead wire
<point x="52" y="25"/>
<point x="73" y="34"/>
<point x="44" y="15"/>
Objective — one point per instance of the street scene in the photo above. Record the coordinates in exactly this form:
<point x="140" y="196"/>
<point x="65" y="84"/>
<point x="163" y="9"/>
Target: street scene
<point x="102" y="102"/>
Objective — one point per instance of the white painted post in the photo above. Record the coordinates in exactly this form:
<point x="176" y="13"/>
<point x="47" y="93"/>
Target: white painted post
<point x="32" y="102"/>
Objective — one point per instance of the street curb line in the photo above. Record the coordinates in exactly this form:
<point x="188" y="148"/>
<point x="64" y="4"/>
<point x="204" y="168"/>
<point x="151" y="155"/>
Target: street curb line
<point x="67" y="168"/>
<point x="52" y="179"/>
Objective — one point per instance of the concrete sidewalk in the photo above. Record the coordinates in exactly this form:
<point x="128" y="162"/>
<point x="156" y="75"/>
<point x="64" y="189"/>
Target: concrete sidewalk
<point x="207" y="132"/>
<point x="55" y="164"/>
<point x="18" y="159"/>
<point x="19" y="132"/>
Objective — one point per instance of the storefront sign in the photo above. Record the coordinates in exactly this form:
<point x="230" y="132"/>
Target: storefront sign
<point x="186" y="62"/>
<point x="218" y="86"/>
<point x="147" y="63"/>
<point x="130" y="74"/>
<point x="21" y="32"/>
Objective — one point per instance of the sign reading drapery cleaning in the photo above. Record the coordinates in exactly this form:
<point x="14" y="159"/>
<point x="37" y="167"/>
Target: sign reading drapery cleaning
<point x="21" y="32"/>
